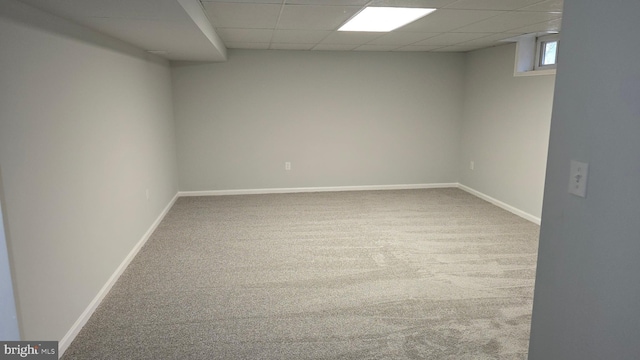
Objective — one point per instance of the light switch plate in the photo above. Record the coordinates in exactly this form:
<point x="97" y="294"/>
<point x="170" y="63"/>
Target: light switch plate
<point x="578" y="178"/>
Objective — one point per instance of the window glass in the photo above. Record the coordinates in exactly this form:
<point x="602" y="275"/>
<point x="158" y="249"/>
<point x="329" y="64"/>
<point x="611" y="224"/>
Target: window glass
<point x="546" y="52"/>
<point x="549" y="52"/>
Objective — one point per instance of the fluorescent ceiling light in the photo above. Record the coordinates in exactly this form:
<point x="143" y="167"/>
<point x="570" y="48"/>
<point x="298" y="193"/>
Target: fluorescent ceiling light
<point x="383" y="19"/>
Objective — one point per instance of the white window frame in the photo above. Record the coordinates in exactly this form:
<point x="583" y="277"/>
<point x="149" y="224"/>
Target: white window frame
<point x="540" y="41"/>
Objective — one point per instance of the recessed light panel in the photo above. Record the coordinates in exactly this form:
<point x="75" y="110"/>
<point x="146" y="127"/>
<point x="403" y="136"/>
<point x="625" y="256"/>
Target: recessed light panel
<point x="384" y="19"/>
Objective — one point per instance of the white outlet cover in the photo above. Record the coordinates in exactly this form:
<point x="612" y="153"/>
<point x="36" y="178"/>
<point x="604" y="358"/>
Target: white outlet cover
<point x="578" y="178"/>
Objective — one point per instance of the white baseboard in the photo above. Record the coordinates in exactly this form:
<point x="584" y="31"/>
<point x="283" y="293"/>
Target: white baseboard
<point x="522" y="214"/>
<point x="84" y="317"/>
<point x="316" y="189"/>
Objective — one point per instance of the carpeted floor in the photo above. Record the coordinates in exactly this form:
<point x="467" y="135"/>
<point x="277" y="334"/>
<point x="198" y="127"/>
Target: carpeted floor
<point x="407" y="274"/>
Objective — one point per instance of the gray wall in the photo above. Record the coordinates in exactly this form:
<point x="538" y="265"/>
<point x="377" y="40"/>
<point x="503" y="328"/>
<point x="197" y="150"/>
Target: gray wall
<point x="587" y="295"/>
<point x="505" y="129"/>
<point x="86" y="127"/>
<point x="340" y="118"/>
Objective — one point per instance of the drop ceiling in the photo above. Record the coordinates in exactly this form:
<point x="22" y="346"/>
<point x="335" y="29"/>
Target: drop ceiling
<point x="203" y="30"/>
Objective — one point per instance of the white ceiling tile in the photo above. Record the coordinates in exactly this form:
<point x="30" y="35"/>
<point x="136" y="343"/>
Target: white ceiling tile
<point x="375" y="48"/>
<point x="451" y="38"/>
<point x="351" y="37"/>
<point x="457" y="48"/>
<point x="418" y="48"/>
<point x="328" y="2"/>
<point x="412" y="3"/>
<point x="549" y="5"/>
<point x="289" y="46"/>
<point x="243" y="1"/>
<point x="491" y="4"/>
<point x="334" y="47"/>
<point x="447" y="20"/>
<point x="508" y="21"/>
<point x="245" y="35"/>
<point x="401" y="38"/>
<point x="547" y="26"/>
<point x="239" y="15"/>
<point x="247" y="45"/>
<point x="312" y="17"/>
<point x="299" y="36"/>
<point x="488" y="40"/>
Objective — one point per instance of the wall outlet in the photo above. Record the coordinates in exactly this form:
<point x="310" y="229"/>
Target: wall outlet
<point x="578" y="178"/>
<point x="472" y="165"/>
<point x="287" y="165"/>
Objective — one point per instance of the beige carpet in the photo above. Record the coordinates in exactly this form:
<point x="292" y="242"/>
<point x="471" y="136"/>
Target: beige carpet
<point x="408" y="274"/>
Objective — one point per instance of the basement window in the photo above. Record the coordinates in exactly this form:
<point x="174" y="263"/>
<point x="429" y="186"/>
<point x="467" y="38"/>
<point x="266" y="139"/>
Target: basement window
<point x="536" y="55"/>
<point x="546" y="52"/>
